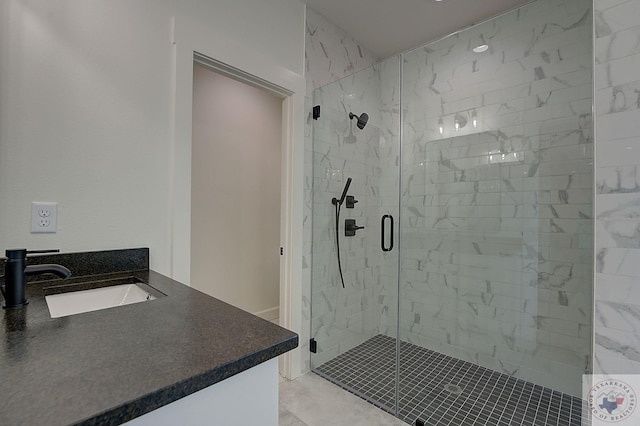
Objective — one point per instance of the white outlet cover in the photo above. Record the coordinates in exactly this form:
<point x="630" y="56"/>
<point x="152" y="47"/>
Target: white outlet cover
<point x="44" y="217"/>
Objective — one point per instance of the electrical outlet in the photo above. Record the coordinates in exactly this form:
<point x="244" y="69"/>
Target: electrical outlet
<point x="44" y="217"/>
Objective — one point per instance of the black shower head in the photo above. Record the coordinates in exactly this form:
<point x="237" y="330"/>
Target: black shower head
<point x="362" y="120"/>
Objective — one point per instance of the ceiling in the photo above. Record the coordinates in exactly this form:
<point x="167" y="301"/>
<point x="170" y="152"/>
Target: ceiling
<point x="388" y="27"/>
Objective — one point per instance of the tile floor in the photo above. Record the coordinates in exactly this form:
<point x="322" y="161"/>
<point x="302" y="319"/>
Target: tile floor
<point x="443" y="391"/>
<point x="311" y="400"/>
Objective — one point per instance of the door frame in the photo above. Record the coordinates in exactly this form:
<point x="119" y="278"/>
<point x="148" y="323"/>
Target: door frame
<point x="191" y="42"/>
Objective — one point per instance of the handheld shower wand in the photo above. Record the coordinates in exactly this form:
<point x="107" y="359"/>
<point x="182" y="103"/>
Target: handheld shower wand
<point x="339" y="202"/>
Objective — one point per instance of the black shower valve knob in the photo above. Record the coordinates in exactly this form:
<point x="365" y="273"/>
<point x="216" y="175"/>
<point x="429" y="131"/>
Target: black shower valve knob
<point x="350" y="201"/>
<point x="350" y="227"/>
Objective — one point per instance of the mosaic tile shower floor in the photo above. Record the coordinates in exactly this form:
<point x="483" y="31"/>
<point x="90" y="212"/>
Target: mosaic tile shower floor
<point x="440" y="390"/>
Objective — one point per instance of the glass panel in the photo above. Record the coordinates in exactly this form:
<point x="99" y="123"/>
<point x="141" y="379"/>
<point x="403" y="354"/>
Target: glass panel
<point x="495" y="261"/>
<point x="347" y="322"/>
<point x="496" y="267"/>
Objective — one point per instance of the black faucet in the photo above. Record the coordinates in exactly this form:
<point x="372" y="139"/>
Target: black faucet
<point x="16" y="270"/>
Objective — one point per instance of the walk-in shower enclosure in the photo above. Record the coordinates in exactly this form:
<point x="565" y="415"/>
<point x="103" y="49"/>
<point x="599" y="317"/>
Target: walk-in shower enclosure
<point x="484" y="164"/>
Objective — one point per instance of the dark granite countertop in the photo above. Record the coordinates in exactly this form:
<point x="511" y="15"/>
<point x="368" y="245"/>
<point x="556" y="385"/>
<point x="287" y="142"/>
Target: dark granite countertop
<point x="112" y="365"/>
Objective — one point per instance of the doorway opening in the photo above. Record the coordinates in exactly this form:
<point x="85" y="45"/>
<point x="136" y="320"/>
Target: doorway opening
<point x="236" y="188"/>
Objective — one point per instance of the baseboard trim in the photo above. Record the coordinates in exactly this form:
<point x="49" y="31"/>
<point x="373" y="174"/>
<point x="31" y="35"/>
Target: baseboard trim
<point x="269" y="314"/>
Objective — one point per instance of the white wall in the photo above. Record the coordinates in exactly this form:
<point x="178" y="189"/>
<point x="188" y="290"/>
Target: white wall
<point x="235" y="191"/>
<point x="89" y="103"/>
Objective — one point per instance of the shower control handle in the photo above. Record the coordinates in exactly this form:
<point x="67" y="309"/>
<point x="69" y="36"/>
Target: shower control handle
<point x="350" y="201"/>
<point x="350" y="227"/>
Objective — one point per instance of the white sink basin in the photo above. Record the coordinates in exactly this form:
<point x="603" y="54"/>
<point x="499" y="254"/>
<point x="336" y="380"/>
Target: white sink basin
<point x="76" y="302"/>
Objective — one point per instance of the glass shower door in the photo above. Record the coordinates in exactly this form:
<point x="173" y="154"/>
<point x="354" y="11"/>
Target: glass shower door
<point x="354" y="315"/>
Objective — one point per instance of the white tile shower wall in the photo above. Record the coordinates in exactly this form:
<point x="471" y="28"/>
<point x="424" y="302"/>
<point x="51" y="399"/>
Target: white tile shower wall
<point x="617" y="109"/>
<point x="330" y="55"/>
<point x="497" y="202"/>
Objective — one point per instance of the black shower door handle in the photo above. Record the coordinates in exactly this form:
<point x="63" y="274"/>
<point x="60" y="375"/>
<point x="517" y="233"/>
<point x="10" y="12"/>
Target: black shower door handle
<point x="384" y="221"/>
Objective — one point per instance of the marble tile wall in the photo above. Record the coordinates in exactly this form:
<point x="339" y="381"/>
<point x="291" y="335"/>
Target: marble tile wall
<point x="330" y="55"/>
<point x="497" y="216"/>
<point x="617" y="110"/>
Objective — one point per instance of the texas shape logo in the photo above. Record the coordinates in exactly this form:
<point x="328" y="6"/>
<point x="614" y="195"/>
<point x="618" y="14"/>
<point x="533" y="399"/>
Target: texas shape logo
<point x="612" y="401"/>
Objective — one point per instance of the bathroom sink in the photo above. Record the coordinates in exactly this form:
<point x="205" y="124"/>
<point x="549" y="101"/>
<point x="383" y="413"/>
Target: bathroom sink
<point x="119" y="293"/>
